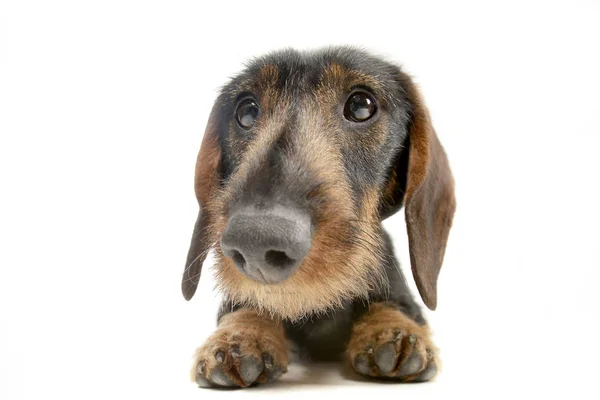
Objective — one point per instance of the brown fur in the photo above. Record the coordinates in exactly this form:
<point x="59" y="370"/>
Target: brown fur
<point x="304" y="150"/>
<point x="254" y="335"/>
<point x="430" y="201"/>
<point x="314" y="288"/>
<point x="209" y="156"/>
<point x="336" y="76"/>
<point x="206" y="181"/>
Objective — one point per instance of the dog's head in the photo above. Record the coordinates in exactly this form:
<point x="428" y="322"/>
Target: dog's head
<point x="304" y="155"/>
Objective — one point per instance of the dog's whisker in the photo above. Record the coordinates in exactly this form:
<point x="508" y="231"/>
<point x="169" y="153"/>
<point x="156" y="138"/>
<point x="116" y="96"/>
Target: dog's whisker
<point x="189" y="266"/>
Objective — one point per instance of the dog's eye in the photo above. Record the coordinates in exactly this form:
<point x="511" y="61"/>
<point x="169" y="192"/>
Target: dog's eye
<point x="247" y="112"/>
<point x="359" y="107"/>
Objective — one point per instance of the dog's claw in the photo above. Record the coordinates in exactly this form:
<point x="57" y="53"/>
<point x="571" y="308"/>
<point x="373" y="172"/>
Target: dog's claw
<point x="268" y="360"/>
<point x="235" y="351"/>
<point x="200" y="367"/>
<point x="220" y="356"/>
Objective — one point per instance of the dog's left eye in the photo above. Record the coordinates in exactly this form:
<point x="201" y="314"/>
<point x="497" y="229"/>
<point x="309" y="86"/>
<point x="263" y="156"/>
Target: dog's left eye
<point x="247" y="112"/>
<point x="359" y="107"/>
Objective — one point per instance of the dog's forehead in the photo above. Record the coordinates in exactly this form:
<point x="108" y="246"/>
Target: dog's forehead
<point x="293" y="73"/>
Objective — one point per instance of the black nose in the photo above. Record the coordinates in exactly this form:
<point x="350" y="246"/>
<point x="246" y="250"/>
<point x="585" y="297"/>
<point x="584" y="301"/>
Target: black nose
<point x="267" y="245"/>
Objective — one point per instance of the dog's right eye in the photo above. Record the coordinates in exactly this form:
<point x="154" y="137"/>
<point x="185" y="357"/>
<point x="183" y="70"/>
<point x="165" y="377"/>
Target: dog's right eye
<point x="247" y="112"/>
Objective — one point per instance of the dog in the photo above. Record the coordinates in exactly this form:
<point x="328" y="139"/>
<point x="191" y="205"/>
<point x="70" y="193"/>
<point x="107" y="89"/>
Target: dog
<point x="303" y="157"/>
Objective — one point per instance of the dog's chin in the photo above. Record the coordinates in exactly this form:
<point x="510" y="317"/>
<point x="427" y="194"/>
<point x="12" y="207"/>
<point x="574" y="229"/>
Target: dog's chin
<point x="311" y="290"/>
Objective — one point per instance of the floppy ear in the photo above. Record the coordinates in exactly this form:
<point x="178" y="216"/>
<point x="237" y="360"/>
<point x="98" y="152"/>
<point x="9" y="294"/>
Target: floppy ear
<point x="206" y="182"/>
<point x="423" y="180"/>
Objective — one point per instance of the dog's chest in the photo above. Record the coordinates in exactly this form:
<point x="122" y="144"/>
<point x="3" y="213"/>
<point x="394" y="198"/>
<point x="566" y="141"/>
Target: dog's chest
<point x="322" y="338"/>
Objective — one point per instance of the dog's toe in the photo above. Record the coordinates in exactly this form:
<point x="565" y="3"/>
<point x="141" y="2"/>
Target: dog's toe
<point x="411" y="365"/>
<point x="200" y="378"/>
<point x="362" y="364"/>
<point x="250" y="368"/>
<point x="385" y="357"/>
<point x="428" y="373"/>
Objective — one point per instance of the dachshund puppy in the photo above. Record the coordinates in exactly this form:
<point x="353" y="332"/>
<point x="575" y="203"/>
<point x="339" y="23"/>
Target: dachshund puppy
<point x="304" y="155"/>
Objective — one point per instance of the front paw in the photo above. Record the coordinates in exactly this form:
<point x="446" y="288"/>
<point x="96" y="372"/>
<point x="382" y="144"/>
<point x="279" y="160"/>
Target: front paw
<point x="392" y="346"/>
<point x="240" y="357"/>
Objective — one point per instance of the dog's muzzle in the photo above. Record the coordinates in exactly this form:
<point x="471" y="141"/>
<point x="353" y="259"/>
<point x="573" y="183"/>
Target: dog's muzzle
<point x="267" y="245"/>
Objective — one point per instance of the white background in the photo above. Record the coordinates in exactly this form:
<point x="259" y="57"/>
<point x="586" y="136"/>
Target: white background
<point x="102" y="109"/>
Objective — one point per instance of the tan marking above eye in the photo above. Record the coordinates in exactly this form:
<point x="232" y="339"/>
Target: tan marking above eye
<point x="269" y="72"/>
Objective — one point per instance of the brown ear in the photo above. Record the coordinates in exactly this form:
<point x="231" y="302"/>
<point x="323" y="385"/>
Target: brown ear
<point x="206" y="182"/>
<point x="429" y="198"/>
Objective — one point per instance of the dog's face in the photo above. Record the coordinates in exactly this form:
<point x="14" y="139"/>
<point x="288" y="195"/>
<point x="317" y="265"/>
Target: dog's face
<point x="303" y="156"/>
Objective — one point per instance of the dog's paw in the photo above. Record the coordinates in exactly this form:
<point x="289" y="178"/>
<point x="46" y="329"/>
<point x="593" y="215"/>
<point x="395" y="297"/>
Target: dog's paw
<point x="239" y="358"/>
<point x="392" y="346"/>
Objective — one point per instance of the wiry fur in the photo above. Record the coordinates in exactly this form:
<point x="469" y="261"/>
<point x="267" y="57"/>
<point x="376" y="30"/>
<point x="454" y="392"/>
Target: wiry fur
<point x="348" y="177"/>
